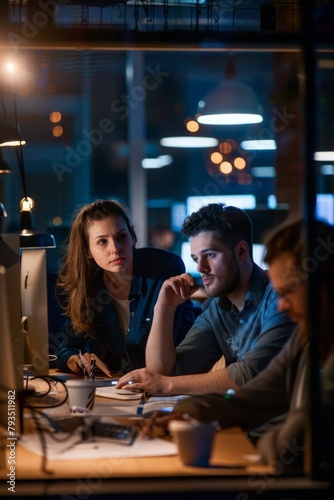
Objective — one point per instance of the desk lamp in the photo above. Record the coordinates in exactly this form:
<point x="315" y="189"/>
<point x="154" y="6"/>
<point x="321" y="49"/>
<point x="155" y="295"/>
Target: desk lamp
<point x="29" y="237"/>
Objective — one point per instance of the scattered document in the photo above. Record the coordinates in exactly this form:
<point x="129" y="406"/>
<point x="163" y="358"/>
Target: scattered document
<point x="144" y="409"/>
<point x="75" y="448"/>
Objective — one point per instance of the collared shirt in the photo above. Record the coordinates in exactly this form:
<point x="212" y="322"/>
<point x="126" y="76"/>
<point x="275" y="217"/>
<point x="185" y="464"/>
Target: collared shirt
<point x="151" y="267"/>
<point x="248" y="339"/>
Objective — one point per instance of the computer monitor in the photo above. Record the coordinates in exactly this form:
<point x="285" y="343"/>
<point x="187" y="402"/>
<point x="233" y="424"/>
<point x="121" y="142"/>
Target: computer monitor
<point x="258" y="254"/>
<point x="324" y="209"/>
<point x="34" y="304"/>
<point x="243" y="201"/>
<point x="191" y="266"/>
<point x="11" y="352"/>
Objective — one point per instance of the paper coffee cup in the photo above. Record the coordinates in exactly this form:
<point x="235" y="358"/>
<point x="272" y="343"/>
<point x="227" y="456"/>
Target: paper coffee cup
<point x="194" y="441"/>
<point x="81" y="395"/>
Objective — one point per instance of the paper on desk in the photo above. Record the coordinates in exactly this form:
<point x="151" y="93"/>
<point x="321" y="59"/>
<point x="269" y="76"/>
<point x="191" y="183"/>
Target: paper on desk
<point x="74" y="448"/>
<point x="144" y="409"/>
<point x="113" y="393"/>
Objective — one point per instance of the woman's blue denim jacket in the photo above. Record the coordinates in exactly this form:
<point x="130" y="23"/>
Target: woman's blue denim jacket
<point x="151" y="267"/>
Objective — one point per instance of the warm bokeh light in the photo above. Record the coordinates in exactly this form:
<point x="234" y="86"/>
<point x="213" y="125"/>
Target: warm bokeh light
<point x="216" y="157"/>
<point x="10" y="67"/>
<point x="57" y="221"/>
<point x="225" y="167"/>
<point x="55" y="117"/>
<point x="239" y="163"/>
<point x="225" y="148"/>
<point x="192" y="126"/>
<point x="27" y="204"/>
<point x="57" y="131"/>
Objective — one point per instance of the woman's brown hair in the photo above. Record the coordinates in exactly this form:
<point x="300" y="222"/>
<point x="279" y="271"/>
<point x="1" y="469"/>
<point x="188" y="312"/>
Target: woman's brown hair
<point x="74" y="282"/>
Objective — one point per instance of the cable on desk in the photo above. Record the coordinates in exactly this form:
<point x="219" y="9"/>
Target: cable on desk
<point x="49" y="401"/>
<point x="52" y="402"/>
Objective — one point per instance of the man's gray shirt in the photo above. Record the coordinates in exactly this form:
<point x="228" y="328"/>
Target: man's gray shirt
<point x="248" y="339"/>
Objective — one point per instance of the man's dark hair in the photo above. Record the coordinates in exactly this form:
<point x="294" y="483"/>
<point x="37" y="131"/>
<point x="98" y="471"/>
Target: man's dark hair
<point x="230" y="224"/>
<point x="290" y="236"/>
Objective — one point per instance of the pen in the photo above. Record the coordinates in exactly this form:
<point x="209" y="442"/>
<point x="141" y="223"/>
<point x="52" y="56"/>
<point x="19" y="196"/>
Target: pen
<point x="82" y="364"/>
<point x="92" y="369"/>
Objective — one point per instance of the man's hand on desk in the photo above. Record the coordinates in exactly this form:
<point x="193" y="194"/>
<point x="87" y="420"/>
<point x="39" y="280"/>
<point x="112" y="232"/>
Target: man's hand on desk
<point x="155" y="384"/>
<point x="145" y="380"/>
<point x="74" y="363"/>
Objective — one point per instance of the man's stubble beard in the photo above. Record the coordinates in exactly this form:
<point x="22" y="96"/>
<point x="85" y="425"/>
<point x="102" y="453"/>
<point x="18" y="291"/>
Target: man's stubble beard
<point x="228" y="284"/>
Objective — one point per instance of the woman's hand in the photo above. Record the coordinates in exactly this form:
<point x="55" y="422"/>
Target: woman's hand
<point x="75" y="365"/>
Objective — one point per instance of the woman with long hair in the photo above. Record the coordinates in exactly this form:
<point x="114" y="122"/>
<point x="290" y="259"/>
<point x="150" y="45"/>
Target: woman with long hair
<point x="108" y="289"/>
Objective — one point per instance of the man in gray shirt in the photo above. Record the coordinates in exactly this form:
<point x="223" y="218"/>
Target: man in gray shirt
<point x="240" y="321"/>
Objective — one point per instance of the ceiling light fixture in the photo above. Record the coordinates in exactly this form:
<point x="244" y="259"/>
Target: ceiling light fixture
<point x="9" y="136"/>
<point x="158" y="162"/>
<point x="324" y="156"/>
<point x="189" y="137"/>
<point x="189" y="142"/>
<point x="259" y="145"/>
<point x="231" y="103"/>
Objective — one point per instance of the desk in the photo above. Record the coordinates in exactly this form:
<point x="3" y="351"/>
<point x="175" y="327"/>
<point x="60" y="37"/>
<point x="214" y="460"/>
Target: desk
<point x="162" y="477"/>
<point x="121" y="474"/>
<point x="228" y="457"/>
<point x="230" y="471"/>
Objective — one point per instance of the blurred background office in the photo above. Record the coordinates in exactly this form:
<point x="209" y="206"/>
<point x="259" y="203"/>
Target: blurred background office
<point x="98" y="111"/>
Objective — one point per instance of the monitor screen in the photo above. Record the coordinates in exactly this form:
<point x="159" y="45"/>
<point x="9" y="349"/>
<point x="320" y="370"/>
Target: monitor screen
<point x="191" y="266"/>
<point x="11" y="352"/>
<point x="243" y="201"/>
<point x="35" y="310"/>
<point x="325" y="208"/>
<point x="258" y="253"/>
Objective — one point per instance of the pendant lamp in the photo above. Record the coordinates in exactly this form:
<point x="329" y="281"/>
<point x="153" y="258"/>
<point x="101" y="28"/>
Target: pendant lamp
<point x="231" y="103"/>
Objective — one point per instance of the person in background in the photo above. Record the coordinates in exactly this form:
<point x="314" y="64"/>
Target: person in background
<point x="283" y="386"/>
<point x="240" y="320"/>
<point x="108" y="289"/>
